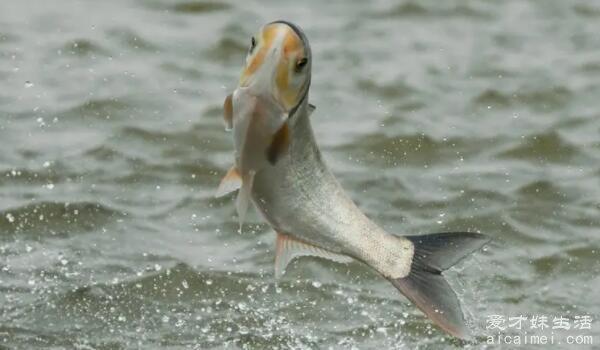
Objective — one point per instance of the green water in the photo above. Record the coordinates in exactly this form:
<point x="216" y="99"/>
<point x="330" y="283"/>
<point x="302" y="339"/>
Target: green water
<point x="435" y="116"/>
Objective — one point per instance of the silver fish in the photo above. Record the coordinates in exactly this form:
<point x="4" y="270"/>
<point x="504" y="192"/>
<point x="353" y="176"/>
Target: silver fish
<point x="304" y="203"/>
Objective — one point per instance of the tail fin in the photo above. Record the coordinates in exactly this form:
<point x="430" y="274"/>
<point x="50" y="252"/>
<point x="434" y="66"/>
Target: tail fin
<point x="427" y="288"/>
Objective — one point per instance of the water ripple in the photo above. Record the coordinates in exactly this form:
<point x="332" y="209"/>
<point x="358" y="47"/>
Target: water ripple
<point x="546" y="147"/>
<point x="56" y="219"/>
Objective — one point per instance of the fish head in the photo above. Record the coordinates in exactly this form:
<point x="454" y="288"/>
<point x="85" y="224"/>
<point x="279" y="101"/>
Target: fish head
<point x="273" y="86"/>
<point x="278" y="66"/>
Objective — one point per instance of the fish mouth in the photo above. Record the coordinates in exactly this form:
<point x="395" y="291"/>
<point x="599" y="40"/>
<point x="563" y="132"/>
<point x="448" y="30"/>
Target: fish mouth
<point x="265" y="99"/>
<point x="264" y="88"/>
<point x="262" y="85"/>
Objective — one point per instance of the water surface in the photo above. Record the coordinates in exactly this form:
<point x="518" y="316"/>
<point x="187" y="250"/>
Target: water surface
<point x="435" y="116"/>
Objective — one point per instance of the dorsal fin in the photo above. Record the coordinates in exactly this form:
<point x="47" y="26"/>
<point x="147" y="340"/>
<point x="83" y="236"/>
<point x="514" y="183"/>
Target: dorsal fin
<point x="287" y="248"/>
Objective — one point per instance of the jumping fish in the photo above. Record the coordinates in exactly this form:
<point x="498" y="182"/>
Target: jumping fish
<point x="278" y="166"/>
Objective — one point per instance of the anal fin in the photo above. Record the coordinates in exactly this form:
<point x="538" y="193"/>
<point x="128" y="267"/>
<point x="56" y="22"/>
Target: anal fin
<point x="287" y="248"/>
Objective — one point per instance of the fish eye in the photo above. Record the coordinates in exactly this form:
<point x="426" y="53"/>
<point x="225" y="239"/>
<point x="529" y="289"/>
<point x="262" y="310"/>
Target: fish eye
<point x="301" y="64"/>
<point x="252" y="44"/>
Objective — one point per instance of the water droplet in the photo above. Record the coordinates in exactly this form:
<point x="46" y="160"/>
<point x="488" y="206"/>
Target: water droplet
<point x="381" y="330"/>
<point x="209" y="282"/>
<point x="10" y="217"/>
<point x="28" y="84"/>
<point x="317" y="284"/>
<point x="157" y="267"/>
<point x="185" y="284"/>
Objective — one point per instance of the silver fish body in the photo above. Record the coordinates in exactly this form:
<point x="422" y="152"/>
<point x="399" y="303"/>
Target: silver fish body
<point x="300" y="197"/>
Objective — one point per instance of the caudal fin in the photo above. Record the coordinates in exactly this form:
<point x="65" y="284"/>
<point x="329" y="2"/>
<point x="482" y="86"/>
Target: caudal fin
<point x="427" y="288"/>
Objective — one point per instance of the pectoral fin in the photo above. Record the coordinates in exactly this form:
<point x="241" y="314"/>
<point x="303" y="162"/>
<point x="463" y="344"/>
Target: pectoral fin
<point x="228" y="112"/>
<point x="311" y="108"/>
<point x="243" y="198"/>
<point x="279" y="144"/>
<point x="232" y="181"/>
<point x="287" y="248"/>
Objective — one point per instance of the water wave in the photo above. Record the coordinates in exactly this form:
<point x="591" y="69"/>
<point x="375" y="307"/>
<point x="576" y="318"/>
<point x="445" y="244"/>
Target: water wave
<point x="56" y="219"/>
